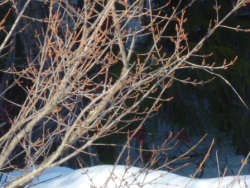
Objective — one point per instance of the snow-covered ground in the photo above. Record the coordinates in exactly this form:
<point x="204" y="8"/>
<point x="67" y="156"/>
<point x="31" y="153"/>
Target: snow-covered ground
<point x="222" y="169"/>
<point x="106" y="176"/>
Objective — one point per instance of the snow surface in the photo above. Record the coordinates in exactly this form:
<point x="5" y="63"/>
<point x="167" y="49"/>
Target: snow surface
<point x="106" y="176"/>
<point x="222" y="160"/>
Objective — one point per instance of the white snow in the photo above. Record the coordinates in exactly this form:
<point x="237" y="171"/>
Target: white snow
<point x="106" y="176"/>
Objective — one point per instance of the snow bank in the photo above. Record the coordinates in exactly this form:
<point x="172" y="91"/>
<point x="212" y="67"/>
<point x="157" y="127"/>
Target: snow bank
<point x="105" y="176"/>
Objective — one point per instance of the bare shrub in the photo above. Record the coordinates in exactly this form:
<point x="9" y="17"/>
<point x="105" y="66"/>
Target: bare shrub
<point x="85" y="77"/>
